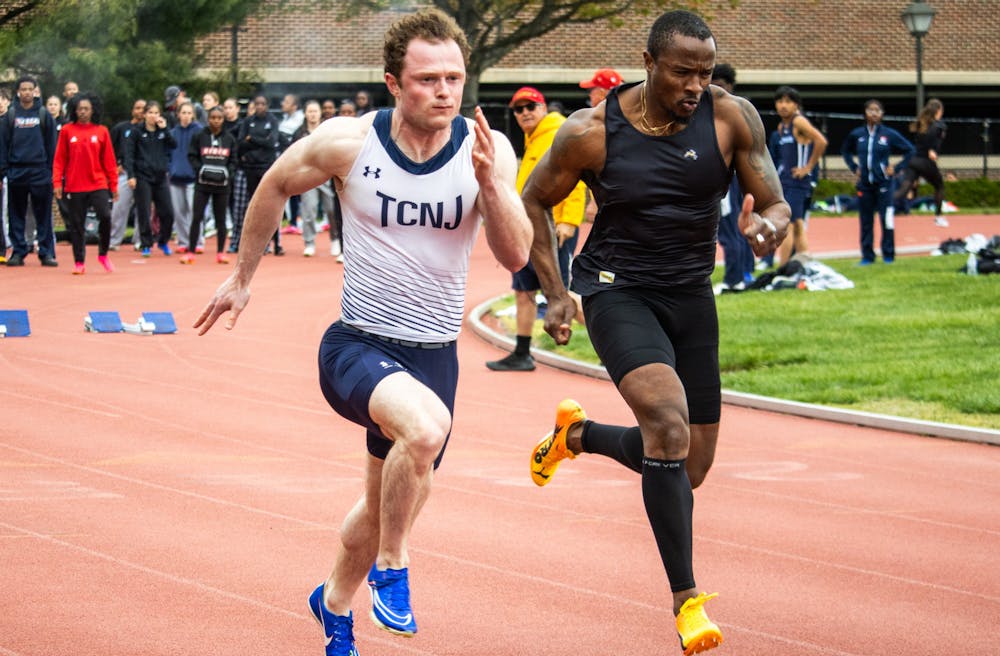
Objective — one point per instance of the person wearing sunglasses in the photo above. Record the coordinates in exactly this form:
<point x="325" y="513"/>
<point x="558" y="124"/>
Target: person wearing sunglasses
<point x="539" y="126"/>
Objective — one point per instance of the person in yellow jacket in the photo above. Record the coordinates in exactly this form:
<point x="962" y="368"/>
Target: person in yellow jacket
<point x="539" y="126"/>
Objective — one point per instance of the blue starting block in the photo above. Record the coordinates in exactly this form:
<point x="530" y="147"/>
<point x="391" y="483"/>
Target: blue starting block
<point x="103" y="322"/>
<point x="14" y="323"/>
<point x="111" y="322"/>
<point x="163" y="322"/>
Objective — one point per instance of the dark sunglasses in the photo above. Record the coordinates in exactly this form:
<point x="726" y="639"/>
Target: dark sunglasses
<point x="532" y="106"/>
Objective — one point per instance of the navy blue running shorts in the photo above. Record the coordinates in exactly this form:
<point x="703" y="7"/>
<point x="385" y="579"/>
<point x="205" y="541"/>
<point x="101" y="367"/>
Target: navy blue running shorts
<point x="800" y="201"/>
<point x="352" y="363"/>
<point x="526" y="280"/>
<point x="677" y="326"/>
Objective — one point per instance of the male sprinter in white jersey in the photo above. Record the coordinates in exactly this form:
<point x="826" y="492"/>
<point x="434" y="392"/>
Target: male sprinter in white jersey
<point x="658" y="156"/>
<point x="415" y="183"/>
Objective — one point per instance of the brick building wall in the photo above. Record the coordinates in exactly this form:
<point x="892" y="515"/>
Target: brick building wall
<point x="761" y="38"/>
<point x="837" y="53"/>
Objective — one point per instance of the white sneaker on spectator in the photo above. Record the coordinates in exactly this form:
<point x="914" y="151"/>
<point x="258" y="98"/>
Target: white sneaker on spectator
<point x="941" y="221"/>
<point x="340" y="258"/>
<point x="309" y="250"/>
<point x="335" y="248"/>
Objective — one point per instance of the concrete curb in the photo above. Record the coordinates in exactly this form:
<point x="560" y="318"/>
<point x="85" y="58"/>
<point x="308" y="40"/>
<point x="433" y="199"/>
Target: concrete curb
<point x="871" y="420"/>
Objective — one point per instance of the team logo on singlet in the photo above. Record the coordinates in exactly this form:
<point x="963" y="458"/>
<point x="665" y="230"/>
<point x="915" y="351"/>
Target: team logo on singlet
<point x="409" y="213"/>
<point x="374" y="172"/>
<point x="691" y="154"/>
<point x="605" y="277"/>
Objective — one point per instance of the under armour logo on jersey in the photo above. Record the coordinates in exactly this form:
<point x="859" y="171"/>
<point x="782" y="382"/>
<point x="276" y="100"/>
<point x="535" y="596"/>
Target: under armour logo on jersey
<point x="375" y="172"/>
<point x="691" y="154"/>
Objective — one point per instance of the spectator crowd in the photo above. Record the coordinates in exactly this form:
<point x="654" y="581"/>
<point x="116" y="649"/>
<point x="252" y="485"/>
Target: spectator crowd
<point x="178" y="171"/>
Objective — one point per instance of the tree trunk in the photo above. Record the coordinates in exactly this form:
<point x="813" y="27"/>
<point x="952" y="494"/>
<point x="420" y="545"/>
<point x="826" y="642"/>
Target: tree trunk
<point x="470" y="96"/>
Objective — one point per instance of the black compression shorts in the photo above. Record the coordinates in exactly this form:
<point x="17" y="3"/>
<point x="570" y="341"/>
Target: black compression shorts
<point x="677" y="326"/>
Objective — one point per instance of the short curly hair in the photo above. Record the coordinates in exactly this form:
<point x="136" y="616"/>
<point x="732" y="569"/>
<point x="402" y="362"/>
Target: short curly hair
<point x="96" y="106"/>
<point x="430" y="25"/>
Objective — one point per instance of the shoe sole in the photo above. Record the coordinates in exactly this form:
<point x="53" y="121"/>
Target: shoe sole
<point x="492" y="367"/>
<point x="704" y="642"/>
<point x="384" y="627"/>
<point x="537" y="477"/>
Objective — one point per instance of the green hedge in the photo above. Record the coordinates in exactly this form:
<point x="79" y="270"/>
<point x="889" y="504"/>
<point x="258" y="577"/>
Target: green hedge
<point x="966" y="194"/>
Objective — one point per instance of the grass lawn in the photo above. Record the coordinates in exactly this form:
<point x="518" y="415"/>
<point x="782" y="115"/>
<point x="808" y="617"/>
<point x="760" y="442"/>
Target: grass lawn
<point x="913" y="339"/>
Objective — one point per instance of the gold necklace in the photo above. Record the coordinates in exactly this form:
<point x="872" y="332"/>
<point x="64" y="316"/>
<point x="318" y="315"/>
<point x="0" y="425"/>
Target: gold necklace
<point x="655" y="131"/>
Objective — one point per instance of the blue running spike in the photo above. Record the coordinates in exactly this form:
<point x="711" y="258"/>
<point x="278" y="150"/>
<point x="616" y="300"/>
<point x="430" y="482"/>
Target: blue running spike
<point x="337" y="629"/>
<point x="391" y="601"/>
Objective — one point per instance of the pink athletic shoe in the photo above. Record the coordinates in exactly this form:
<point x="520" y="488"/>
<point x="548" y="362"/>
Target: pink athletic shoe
<point x="78" y="269"/>
<point x="106" y="263"/>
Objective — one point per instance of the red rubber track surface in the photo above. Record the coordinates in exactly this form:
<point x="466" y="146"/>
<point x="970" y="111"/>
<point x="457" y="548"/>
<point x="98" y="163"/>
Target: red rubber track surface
<point x="182" y="495"/>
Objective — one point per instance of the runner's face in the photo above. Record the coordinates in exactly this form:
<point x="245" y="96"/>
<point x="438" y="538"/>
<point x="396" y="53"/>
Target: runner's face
<point x="528" y="120"/>
<point x="680" y="75"/>
<point x="215" y="122"/>
<point x="596" y="95"/>
<point x="429" y="91"/>
<point x="26" y="94"/>
<point x="313" y="114"/>
<point x="152" y="116"/>
<point x="185" y="115"/>
<point x="84" y="111"/>
<point x="873" y="114"/>
<point x="785" y="107"/>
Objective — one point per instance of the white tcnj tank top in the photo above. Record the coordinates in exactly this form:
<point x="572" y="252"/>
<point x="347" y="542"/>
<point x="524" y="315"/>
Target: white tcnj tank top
<point x="408" y="232"/>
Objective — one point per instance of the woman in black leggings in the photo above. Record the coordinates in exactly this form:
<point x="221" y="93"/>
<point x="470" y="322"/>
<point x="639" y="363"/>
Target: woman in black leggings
<point x="929" y="132"/>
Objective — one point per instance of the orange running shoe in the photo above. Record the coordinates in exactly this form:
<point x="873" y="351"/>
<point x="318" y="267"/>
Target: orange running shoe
<point x="552" y="449"/>
<point x="697" y="632"/>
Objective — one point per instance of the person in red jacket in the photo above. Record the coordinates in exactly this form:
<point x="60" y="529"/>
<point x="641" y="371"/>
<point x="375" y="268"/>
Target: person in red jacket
<point x="85" y="172"/>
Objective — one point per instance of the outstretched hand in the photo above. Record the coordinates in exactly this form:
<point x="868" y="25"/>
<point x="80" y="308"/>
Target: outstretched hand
<point x="762" y="234"/>
<point x="231" y="297"/>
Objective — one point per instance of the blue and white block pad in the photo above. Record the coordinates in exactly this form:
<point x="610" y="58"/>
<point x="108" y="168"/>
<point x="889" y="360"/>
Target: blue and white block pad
<point x="14" y="323"/>
<point x="163" y="322"/>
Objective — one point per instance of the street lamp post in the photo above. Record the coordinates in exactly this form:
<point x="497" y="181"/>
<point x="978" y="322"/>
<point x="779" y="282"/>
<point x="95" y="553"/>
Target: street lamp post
<point x="917" y="17"/>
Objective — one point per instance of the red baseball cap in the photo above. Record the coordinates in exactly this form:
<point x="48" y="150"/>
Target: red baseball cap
<point x="530" y="94"/>
<point x="606" y="78"/>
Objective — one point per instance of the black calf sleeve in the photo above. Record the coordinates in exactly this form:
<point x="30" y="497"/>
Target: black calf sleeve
<point x="616" y="442"/>
<point x="669" y="502"/>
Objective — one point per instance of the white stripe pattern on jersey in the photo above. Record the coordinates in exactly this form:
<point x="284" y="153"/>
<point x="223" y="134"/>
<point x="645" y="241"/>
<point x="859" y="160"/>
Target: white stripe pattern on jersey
<point x="408" y="233"/>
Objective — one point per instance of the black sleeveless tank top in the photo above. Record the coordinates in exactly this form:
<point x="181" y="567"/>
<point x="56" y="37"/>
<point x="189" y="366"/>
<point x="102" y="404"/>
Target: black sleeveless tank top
<point x="659" y="205"/>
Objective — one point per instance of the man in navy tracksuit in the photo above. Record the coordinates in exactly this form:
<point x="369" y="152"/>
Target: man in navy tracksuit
<point x="27" y="146"/>
<point x="866" y="151"/>
<point x="257" y="144"/>
<point x="736" y="252"/>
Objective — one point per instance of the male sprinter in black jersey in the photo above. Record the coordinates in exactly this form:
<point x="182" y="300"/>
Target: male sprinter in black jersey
<point x="658" y="156"/>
